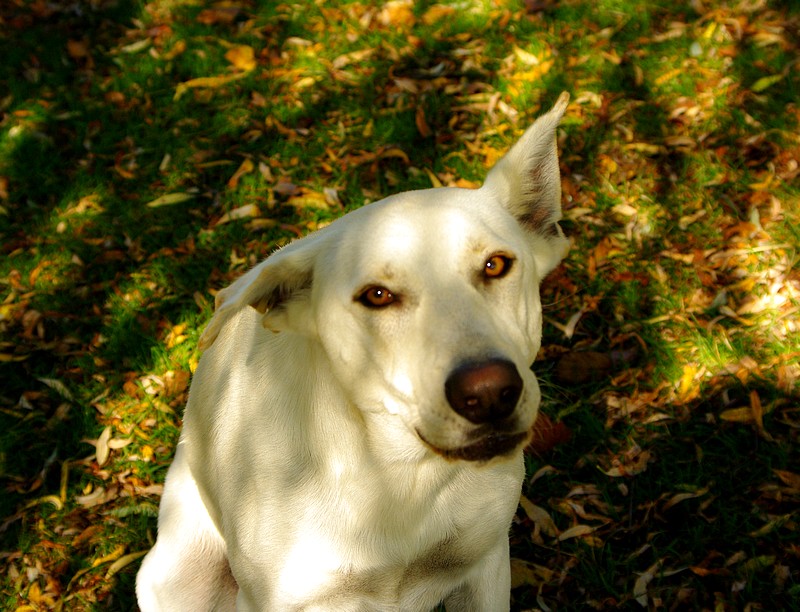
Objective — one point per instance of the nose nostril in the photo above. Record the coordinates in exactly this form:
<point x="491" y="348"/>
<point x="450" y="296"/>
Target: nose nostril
<point x="484" y="392"/>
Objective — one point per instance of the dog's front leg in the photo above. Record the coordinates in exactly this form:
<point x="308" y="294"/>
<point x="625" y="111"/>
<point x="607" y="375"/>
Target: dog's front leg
<point x="488" y="587"/>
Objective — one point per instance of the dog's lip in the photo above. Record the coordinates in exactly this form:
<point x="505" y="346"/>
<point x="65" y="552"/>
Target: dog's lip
<point x="489" y="446"/>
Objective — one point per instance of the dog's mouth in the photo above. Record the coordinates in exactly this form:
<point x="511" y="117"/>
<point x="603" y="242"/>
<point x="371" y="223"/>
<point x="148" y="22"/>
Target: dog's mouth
<point x="489" y="446"/>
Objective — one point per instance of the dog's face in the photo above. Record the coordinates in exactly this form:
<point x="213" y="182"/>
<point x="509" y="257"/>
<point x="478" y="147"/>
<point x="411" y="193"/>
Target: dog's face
<point x="427" y="303"/>
<point x="428" y="308"/>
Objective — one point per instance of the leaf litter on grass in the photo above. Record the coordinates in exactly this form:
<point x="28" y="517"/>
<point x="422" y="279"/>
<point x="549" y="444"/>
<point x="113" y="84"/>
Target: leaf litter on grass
<point x="151" y="152"/>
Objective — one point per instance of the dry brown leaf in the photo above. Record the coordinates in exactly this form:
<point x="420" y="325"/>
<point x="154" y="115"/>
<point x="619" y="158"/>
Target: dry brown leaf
<point x="524" y="572"/>
<point x="246" y="167"/>
<point x="790" y="479"/>
<point x="539" y="516"/>
<point x="78" y="49"/>
<point x="635" y="462"/>
<point x="773" y="524"/>
<point x="681" y="497"/>
<point x="422" y="124"/>
<point x="644" y="579"/>
<point x="576" y="532"/>
<point x="220" y="14"/>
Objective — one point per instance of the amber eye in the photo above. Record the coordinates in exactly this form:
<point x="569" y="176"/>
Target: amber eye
<point x="376" y="297"/>
<point x="497" y="266"/>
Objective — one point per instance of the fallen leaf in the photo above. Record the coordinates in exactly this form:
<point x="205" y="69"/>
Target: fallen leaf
<point x="78" y="49"/>
<point x="243" y="212"/>
<point x="206" y="83"/>
<point x="644" y="579"/>
<point x="576" y="532"/>
<point x="123" y="562"/>
<point x="220" y="14"/>
<point x="539" y="516"/>
<point x="246" y="167"/>
<point x="422" y="125"/>
<point x="526" y="58"/>
<point x="437" y="13"/>
<point x="525" y="572"/>
<point x="397" y="13"/>
<point x="790" y="479"/>
<point x="766" y="82"/>
<point x="547" y="434"/>
<point x="101" y="446"/>
<point x="681" y="497"/>
<point x="169" y="199"/>
<point x="242" y="57"/>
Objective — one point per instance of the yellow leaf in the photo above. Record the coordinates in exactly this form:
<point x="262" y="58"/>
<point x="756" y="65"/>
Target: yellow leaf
<point x="668" y="76"/>
<point x="738" y="415"/>
<point x="243" y="212"/>
<point x="435" y="182"/>
<point x="526" y="58"/>
<point x="397" y="13"/>
<point x="124" y="562"/>
<point x="688" y="389"/>
<point x="206" y="82"/>
<point x="112" y="556"/>
<point x="311" y="199"/>
<point x="436" y="13"/>
<point x="242" y="57"/>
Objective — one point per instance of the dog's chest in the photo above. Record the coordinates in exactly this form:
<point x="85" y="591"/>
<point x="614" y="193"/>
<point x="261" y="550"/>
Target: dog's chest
<point x="386" y="585"/>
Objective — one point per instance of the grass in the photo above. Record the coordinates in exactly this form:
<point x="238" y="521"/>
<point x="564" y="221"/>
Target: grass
<point x="679" y="486"/>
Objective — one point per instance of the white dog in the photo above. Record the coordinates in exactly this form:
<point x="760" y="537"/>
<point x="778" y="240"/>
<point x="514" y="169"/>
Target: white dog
<point x="354" y="434"/>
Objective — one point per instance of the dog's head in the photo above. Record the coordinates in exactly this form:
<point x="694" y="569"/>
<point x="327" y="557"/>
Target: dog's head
<point x="427" y="303"/>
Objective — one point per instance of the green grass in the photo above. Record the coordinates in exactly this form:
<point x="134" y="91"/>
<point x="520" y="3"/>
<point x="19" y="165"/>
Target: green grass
<point x="679" y="160"/>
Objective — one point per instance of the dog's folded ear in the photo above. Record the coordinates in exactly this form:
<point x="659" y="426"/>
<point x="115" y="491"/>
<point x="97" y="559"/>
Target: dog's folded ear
<point x="281" y="281"/>
<point x="528" y="182"/>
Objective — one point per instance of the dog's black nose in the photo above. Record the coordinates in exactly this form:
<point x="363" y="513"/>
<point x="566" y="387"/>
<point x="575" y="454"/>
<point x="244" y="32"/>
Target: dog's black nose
<point x="484" y="392"/>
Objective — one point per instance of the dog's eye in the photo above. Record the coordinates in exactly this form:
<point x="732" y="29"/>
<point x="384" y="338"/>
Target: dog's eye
<point x="497" y="266"/>
<point x="376" y="297"/>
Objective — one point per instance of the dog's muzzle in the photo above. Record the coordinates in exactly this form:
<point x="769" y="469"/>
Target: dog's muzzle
<point x="486" y="394"/>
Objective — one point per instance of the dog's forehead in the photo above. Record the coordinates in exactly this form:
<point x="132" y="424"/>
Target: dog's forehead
<point x="435" y="222"/>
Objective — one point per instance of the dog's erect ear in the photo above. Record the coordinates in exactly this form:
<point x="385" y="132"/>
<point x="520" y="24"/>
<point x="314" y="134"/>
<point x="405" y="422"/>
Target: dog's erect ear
<point x="280" y="281"/>
<point x="528" y="182"/>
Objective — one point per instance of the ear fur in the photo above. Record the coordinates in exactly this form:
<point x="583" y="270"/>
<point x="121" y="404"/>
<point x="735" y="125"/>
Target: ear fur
<point x="268" y="287"/>
<point x="528" y="182"/>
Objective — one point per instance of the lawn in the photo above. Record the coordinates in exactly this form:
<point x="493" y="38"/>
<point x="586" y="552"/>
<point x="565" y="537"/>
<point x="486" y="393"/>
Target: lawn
<point x="150" y="152"/>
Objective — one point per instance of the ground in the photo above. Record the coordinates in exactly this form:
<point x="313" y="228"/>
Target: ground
<point x="150" y="152"/>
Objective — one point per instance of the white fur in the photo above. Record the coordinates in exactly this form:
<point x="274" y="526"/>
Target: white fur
<point x="313" y="470"/>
